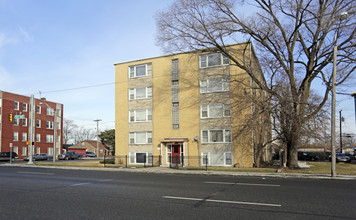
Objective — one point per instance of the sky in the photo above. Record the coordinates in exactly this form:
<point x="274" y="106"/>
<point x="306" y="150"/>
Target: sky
<point x="65" y="51"/>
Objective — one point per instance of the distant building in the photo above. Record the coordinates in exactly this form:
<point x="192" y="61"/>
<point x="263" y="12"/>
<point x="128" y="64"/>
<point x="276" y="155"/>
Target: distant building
<point x="89" y="146"/>
<point x="187" y="105"/>
<point x="17" y="132"/>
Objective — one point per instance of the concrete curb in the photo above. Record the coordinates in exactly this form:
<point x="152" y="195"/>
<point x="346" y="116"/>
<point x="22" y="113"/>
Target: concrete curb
<point x="162" y="170"/>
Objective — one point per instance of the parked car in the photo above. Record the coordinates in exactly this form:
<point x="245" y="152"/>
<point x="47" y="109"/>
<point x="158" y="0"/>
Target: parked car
<point x="90" y="154"/>
<point x="71" y="155"/>
<point x="39" y="157"/>
<point x="307" y="156"/>
<point x="5" y="156"/>
<point x="340" y="157"/>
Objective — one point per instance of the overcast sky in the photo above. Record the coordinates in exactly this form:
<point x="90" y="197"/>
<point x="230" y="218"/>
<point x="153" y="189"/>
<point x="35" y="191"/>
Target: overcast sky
<point x="65" y="50"/>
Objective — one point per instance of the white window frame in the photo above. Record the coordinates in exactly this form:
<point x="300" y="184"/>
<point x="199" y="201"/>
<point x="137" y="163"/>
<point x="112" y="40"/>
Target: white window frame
<point x="50" y="111"/>
<point x="49" y="138"/>
<point x="206" y="85"/>
<point x="38" y="137"/>
<point x="16" y="105"/>
<point x="39" y="123"/>
<point x="133" y="115"/>
<point x="38" y="109"/>
<point x="38" y="150"/>
<point x="206" y="107"/>
<point x="49" y="124"/>
<point x="15" y="136"/>
<point x="132" y="155"/>
<point x="24" y="151"/>
<point x="133" y="137"/>
<point x="132" y="70"/>
<point x="209" y="136"/>
<point x="24" y="122"/>
<point x="204" y="60"/>
<point x="16" y="121"/>
<point x="15" y="149"/>
<point x="24" y="109"/>
<point x="24" y="136"/>
<point x="133" y="93"/>
<point x="225" y="155"/>
<point x="209" y="159"/>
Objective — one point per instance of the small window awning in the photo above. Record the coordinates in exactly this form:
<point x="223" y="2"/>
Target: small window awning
<point x="174" y="140"/>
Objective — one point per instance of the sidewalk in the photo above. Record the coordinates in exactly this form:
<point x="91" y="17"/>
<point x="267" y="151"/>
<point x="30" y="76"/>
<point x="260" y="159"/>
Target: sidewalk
<point x="165" y="170"/>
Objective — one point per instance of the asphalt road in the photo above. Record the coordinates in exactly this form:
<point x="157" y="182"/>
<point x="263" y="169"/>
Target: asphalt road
<point x="37" y="193"/>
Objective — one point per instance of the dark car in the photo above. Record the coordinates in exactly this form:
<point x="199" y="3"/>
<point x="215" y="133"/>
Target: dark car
<point x="340" y="157"/>
<point x="90" y="154"/>
<point x="5" y="156"/>
<point x="39" y="157"/>
<point x="307" y="156"/>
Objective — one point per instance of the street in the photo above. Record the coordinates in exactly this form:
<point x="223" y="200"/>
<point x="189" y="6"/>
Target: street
<point x="38" y="193"/>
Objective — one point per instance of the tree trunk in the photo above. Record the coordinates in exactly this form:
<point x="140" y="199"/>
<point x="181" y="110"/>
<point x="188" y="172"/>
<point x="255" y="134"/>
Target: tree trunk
<point x="292" y="148"/>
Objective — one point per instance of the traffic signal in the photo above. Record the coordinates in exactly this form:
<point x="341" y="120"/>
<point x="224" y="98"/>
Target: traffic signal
<point x="10" y="117"/>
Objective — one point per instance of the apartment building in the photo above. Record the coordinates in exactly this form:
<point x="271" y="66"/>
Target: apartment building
<point x="193" y="105"/>
<point x="15" y="133"/>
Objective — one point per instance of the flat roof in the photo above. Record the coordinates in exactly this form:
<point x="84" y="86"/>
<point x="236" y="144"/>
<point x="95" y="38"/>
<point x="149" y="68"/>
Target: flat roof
<point x="173" y="54"/>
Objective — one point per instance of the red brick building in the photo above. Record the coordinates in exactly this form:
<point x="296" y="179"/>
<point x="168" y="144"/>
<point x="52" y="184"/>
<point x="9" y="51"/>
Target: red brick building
<point x="17" y="132"/>
<point x="89" y="145"/>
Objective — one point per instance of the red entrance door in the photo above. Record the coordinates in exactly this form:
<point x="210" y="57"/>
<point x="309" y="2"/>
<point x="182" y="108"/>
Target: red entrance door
<point x="176" y="154"/>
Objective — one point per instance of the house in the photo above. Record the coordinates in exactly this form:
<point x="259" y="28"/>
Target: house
<point x="89" y="146"/>
<point x="15" y="126"/>
<point x="194" y="105"/>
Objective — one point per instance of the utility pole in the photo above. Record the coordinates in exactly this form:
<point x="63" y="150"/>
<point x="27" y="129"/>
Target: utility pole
<point x="32" y="129"/>
<point x="97" y="136"/>
<point x="354" y="95"/>
<point x="341" y="120"/>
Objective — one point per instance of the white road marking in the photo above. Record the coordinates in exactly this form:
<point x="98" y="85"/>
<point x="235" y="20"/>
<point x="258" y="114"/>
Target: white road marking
<point x="223" y="201"/>
<point x="245" y="184"/>
<point x="79" y="184"/>
<point x="38" y="173"/>
<point x="107" y="180"/>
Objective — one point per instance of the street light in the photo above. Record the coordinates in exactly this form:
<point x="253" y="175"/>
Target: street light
<point x="54" y="130"/>
<point x="343" y="16"/>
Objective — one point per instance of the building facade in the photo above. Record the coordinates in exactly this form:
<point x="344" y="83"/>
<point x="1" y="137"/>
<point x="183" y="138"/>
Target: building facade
<point x="190" y="105"/>
<point x="15" y="133"/>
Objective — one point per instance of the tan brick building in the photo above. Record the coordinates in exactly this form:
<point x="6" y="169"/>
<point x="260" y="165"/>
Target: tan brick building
<point x="188" y="105"/>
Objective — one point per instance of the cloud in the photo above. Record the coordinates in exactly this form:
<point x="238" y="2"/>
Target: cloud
<point x="25" y="35"/>
<point x="5" y="78"/>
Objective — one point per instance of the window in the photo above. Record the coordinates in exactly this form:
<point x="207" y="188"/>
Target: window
<point x="16" y="105"/>
<point x="49" y="138"/>
<point x="38" y="109"/>
<point x="214" y="85"/>
<point x="50" y="111"/>
<point x="216" y="136"/>
<point x="16" y="121"/>
<point x="24" y="151"/>
<point x="38" y="137"/>
<point x="140" y="70"/>
<point x="215" y="59"/>
<point x="140" y="137"/>
<point x="16" y="149"/>
<point x="175" y="115"/>
<point x="140" y="115"/>
<point x="49" y="124"/>
<point x="24" y="122"/>
<point x="142" y="157"/>
<point x="217" y="158"/>
<point x="24" y="136"/>
<point x="25" y="107"/>
<point x="140" y="93"/>
<point x="50" y="150"/>
<point x="215" y="111"/>
<point x="16" y="136"/>
<point x="38" y="123"/>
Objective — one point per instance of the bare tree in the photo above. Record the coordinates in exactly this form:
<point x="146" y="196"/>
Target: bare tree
<point x="294" y="41"/>
<point x="83" y="134"/>
<point x="69" y="129"/>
